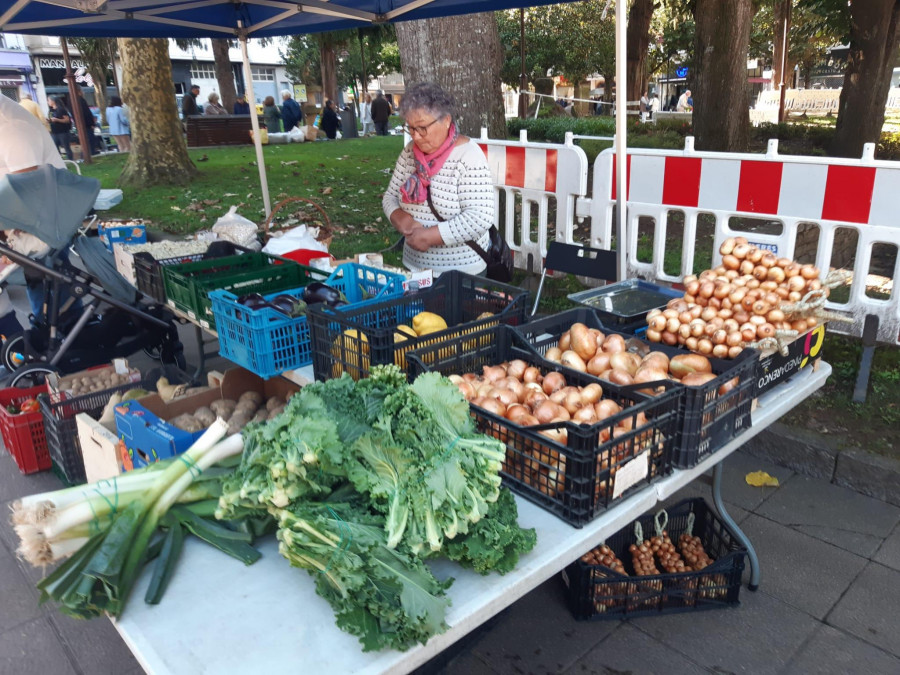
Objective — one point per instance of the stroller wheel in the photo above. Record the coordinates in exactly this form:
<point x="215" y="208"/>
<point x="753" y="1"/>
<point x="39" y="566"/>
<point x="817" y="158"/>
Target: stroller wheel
<point x="13" y="354"/>
<point x="31" y="376"/>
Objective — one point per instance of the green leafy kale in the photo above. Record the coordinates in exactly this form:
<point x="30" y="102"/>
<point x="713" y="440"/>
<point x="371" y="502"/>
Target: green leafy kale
<point x="495" y="542"/>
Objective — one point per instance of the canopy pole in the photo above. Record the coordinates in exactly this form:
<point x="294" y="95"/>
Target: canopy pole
<point x="254" y="122"/>
<point x="621" y="141"/>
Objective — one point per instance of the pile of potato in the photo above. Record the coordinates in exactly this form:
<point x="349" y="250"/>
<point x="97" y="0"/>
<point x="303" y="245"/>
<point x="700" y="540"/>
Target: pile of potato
<point x="104" y="379"/>
<point x="250" y="407"/>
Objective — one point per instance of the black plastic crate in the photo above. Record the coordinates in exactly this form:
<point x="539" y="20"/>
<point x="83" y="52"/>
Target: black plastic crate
<point x="573" y="474"/>
<point x="598" y="592"/>
<point x="59" y="411"/>
<point x="352" y="340"/>
<point x="709" y="419"/>
<point x="148" y="273"/>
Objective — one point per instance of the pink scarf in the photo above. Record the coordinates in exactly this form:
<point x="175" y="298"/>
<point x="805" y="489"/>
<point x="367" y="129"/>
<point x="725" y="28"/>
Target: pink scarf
<point x="415" y="189"/>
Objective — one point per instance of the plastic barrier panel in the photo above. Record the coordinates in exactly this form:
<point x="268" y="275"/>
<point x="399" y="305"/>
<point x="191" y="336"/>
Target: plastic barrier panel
<point x="538" y="178"/>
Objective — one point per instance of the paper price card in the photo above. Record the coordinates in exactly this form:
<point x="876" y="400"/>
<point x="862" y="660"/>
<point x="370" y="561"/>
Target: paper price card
<point x="419" y="280"/>
<point x="632" y="473"/>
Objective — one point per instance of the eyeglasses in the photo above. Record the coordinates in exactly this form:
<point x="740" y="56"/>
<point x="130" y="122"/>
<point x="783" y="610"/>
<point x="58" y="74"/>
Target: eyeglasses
<point x="421" y="131"/>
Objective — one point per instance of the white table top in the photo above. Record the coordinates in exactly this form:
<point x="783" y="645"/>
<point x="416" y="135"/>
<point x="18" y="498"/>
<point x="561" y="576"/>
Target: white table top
<point x="221" y="617"/>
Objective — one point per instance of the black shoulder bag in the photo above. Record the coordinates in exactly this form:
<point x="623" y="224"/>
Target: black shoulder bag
<point x="499" y="257"/>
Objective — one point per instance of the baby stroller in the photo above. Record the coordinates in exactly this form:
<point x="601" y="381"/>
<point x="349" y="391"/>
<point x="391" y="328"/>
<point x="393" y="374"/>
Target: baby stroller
<point x="90" y="314"/>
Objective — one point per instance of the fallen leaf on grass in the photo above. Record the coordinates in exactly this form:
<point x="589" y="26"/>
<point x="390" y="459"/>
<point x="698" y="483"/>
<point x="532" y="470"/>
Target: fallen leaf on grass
<point x="761" y="479"/>
<point x="176" y="208"/>
<point x="326" y="191"/>
<point x="230" y="194"/>
<point x="210" y="202"/>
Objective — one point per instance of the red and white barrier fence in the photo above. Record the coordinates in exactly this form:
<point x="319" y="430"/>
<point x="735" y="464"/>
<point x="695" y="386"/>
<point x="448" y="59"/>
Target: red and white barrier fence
<point x="830" y="194"/>
<point x="795" y="193"/>
<point x="533" y="177"/>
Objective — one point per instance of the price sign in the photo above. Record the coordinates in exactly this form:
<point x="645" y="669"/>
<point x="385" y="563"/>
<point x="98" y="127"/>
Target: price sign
<point x="419" y="280"/>
<point x="631" y="474"/>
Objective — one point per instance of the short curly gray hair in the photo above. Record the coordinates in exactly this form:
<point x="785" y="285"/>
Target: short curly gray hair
<point x="430" y="97"/>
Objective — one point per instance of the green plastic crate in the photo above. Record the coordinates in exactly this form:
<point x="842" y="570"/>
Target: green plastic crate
<point x="188" y="285"/>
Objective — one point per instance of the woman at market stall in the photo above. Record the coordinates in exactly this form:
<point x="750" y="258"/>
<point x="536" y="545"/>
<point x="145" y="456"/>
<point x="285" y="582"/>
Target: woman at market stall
<point x="441" y="196"/>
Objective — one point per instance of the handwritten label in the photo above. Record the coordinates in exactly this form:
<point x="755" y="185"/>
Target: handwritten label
<point x="419" y="280"/>
<point x="630" y="474"/>
<point x="121" y="366"/>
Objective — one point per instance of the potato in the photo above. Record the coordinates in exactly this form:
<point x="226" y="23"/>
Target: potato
<point x="236" y="423"/>
<point x="204" y="415"/>
<point x="223" y="407"/>
<point x="253" y="396"/>
<point x="275" y="412"/>
<point x="274" y="402"/>
<point x="187" y="423"/>
<point x="261" y="415"/>
<point x="247" y="407"/>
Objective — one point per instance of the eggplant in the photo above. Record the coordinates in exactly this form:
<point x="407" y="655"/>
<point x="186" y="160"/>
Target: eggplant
<point x="288" y="304"/>
<point x="252" y="300"/>
<point x="318" y="292"/>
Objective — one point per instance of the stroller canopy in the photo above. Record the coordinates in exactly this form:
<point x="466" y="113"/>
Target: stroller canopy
<point x="49" y="203"/>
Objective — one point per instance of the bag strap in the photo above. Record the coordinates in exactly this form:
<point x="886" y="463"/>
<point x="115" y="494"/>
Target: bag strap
<point x="471" y="244"/>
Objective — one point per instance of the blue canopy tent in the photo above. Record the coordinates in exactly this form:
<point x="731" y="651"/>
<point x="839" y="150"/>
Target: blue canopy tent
<point x="243" y="19"/>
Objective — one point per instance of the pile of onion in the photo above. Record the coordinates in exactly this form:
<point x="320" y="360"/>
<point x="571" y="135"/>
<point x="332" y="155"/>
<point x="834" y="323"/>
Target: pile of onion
<point x="605" y="356"/>
<point x="523" y="395"/>
<point x="749" y="297"/>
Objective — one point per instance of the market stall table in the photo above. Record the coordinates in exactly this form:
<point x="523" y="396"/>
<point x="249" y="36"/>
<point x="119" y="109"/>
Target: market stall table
<point x="219" y="616"/>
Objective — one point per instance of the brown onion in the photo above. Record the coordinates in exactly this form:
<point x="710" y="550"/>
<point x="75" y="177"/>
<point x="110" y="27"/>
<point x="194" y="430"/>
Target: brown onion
<point x="720" y="351"/>
<point x="553" y="381"/>
<point x="553" y="354"/>
<point x="734" y="352"/>
<point x="532" y="374"/>
<point x="591" y="393"/>
<point x="600" y="362"/>
<point x="572" y="360"/>
<point x="516" y="368"/>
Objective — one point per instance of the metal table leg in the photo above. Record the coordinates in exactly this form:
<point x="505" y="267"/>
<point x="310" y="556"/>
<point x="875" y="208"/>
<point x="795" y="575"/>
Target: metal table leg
<point x="742" y="538"/>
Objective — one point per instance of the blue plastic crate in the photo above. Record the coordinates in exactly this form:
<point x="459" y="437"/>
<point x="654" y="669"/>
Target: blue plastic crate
<point x="266" y="342"/>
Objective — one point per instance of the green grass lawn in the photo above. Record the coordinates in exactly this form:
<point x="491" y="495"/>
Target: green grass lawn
<point x="347" y="178"/>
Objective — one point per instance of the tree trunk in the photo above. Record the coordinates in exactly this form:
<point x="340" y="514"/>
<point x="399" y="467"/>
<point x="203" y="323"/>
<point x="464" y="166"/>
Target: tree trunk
<point x="638" y="44"/>
<point x="224" y="73"/>
<point x="874" y="37"/>
<point x="462" y="54"/>
<point x="158" y="150"/>
<point x="781" y="38"/>
<point x="362" y="62"/>
<point x="329" y="72"/>
<point x="99" y="78"/>
<point x="721" y="96"/>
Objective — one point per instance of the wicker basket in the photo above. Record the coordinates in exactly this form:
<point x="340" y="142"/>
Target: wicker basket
<point x="325" y="232"/>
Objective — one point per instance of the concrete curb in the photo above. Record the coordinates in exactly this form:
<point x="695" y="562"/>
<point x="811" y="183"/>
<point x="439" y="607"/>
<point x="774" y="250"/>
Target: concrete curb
<point x="819" y="456"/>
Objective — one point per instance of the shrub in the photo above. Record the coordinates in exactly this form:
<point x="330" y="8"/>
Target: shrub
<point x="888" y="146"/>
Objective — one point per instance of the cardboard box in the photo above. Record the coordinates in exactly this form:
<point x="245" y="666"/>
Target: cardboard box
<point x="98" y="449"/>
<point x="802" y="352"/>
<point x="125" y="263"/>
<point x="119" y="366"/>
<point x="134" y="233"/>
<point x="142" y="425"/>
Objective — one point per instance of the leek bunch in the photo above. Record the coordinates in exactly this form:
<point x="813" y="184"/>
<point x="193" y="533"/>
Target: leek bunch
<point x="106" y="530"/>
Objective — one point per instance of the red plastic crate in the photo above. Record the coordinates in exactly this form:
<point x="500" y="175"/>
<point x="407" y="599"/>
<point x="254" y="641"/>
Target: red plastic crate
<point x="23" y="434"/>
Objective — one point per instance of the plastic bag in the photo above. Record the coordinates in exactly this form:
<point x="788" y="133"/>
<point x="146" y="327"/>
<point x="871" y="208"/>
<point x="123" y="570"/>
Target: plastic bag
<point x="301" y="237"/>
<point x="263" y="136"/>
<point x="238" y="230"/>
<point x="297" y="135"/>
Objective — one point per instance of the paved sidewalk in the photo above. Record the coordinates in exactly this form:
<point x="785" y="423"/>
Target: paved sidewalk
<point x="827" y="604"/>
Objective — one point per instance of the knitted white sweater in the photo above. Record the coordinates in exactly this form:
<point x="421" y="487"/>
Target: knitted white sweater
<point x="463" y="194"/>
